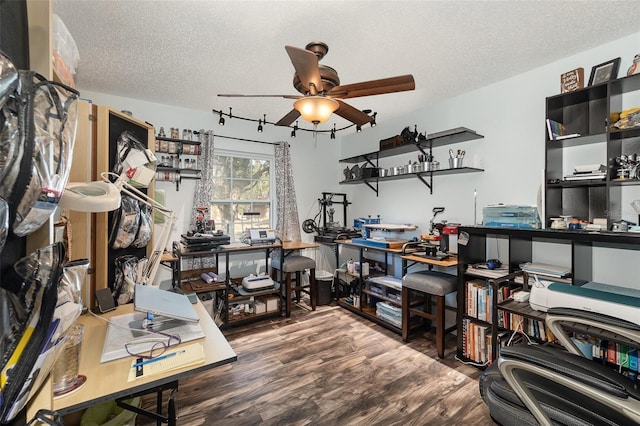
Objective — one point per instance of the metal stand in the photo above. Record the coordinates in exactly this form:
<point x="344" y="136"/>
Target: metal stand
<point x="170" y="418"/>
<point x="328" y="200"/>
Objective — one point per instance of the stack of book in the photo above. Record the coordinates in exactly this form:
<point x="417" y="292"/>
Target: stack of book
<point x="545" y="269"/>
<point x="558" y="131"/>
<point x="586" y="172"/>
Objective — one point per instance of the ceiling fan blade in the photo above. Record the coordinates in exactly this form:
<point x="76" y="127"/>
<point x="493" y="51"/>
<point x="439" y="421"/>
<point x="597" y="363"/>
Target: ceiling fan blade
<point x="306" y="64"/>
<point x="374" y="87"/>
<point x="289" y="118"/>
<point x="352" y="114"/>
<point x="234" y="95"/>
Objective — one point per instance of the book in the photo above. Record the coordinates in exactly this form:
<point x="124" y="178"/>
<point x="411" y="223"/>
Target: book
<point x="481" y="270"/>
<point x="558" y="131"/>
<point x="586" y="176"/>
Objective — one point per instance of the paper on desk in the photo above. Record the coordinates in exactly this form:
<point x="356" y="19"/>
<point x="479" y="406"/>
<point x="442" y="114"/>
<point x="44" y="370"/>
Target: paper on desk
<point x="127" y="328"/>
<point x="183" y="356"/>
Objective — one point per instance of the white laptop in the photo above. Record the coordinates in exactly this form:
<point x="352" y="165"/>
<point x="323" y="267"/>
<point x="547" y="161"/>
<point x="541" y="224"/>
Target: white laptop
<point x="165" y="303"/>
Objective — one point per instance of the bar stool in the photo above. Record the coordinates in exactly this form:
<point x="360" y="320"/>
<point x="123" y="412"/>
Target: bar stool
<point x="428" y="283"/>
<point x="295" y="265"/>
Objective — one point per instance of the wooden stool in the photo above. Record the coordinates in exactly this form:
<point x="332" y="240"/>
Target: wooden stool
<point x="428" y="283"/>
<point x="295" y="265"/>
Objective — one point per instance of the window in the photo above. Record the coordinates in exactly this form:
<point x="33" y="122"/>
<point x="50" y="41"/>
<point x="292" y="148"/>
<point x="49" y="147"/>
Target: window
<point x="242" y="195"/>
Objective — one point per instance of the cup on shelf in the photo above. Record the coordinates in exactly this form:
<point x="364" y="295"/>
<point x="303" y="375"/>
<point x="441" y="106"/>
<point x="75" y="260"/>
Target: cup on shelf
<point x="455" y="162"/>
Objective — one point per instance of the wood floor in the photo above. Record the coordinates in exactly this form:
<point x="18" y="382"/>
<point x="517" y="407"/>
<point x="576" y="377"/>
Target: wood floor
<point x="330" y="367"/>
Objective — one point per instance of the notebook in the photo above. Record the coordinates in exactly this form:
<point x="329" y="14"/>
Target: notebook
<point x="165" y="303"/>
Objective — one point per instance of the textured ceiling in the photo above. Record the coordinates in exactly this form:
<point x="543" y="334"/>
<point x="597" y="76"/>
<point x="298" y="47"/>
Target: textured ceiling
<point x="184" y="53"/>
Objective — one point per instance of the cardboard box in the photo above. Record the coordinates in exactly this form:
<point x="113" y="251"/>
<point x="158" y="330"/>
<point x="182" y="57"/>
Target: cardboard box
<point x="272" y="304"/>
<point x="260" y="307"/>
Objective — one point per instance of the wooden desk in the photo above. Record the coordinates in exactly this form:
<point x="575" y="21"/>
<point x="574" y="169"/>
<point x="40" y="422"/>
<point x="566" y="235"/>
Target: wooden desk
<point x="389" y="292"/>
<point x="452" y="260"/>
<point x="108" y="381"/>
<point x="298" y="245"/>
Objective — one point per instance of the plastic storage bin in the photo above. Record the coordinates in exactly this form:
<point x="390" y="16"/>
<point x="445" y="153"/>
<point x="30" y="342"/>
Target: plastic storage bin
<point x="506" y="216"/>
<point x="65" y="52"/>
<point x="324" y="282"/>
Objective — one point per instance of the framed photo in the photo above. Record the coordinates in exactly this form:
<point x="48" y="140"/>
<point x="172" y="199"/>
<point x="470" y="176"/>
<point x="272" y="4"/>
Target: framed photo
<point x="604" y="72"/>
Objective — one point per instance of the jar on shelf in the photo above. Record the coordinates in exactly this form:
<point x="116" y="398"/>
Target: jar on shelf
<point x="161" y="133"/>
<point x="635" y="66"/>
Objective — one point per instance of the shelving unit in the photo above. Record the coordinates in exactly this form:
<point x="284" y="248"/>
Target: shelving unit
<point x="110" y="124"/>
<point x="590" y="112"/>
<point x="178" y="148"/>
<point x="448" y="137"/>
<point x="520" y="250"/>
<point x="229" y="293"/>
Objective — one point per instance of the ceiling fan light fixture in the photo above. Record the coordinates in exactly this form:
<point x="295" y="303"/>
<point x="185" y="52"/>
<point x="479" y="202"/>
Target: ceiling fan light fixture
<point x="373" y="119"/>
<point x="316" y="109"/>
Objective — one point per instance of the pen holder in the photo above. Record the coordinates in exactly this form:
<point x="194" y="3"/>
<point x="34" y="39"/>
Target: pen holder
<point x="455" y="163"/>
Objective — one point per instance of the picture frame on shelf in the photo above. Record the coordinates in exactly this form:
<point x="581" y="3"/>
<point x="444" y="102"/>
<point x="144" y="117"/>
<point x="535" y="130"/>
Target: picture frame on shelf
<point x="604" y="72"/>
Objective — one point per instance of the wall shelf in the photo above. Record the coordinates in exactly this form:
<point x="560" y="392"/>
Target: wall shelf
<point x="447" y="137"/>
<point x="177" y="148"/>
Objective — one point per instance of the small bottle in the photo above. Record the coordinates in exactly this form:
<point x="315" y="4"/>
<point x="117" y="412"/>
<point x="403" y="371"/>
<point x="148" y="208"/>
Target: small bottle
<point x="635" y="66"/>
<point x="161" y="133"/>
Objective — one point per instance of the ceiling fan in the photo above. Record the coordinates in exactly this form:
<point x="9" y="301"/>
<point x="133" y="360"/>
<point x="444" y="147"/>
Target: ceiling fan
<point x="321" y="90"/>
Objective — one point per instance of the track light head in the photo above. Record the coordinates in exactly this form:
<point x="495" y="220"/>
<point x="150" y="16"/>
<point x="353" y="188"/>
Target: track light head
<point x="373" y="119"/>
<point x="221" y="121"/>
<point x="358" y="128"/>
<point x="259" y="126"/>
<point x="333" y="131"/>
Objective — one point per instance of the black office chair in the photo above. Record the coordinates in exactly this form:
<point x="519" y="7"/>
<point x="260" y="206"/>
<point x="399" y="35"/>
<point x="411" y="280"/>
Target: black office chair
<point x="534" y="384"/>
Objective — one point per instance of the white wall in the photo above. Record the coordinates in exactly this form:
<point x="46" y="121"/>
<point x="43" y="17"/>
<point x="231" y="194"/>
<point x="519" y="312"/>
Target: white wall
<point x="315" y="162"/>
<point x="510" y="114"/>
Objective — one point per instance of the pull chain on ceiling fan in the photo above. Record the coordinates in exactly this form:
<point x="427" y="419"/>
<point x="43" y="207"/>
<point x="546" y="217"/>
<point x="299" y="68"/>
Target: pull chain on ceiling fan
<point x="321" y="90"/>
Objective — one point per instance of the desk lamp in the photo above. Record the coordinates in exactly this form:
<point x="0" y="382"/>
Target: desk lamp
<point x="104" y="195"/>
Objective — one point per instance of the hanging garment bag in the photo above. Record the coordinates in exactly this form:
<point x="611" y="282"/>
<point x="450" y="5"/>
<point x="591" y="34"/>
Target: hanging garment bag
<point x="28" y="298"/>
<point x="38" y="120"/>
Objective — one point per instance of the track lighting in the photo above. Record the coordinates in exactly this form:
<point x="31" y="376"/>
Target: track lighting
<point x="358" y="128"/>
<point x="262" y="122"/>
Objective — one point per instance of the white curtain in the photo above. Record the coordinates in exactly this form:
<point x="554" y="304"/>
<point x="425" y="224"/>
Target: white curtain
<point x="204" y="189"/>
<point x="288" y="222"/>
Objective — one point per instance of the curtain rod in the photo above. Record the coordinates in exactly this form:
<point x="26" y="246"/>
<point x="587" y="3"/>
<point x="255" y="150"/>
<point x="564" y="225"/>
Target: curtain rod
<point x="243" y="139"/>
